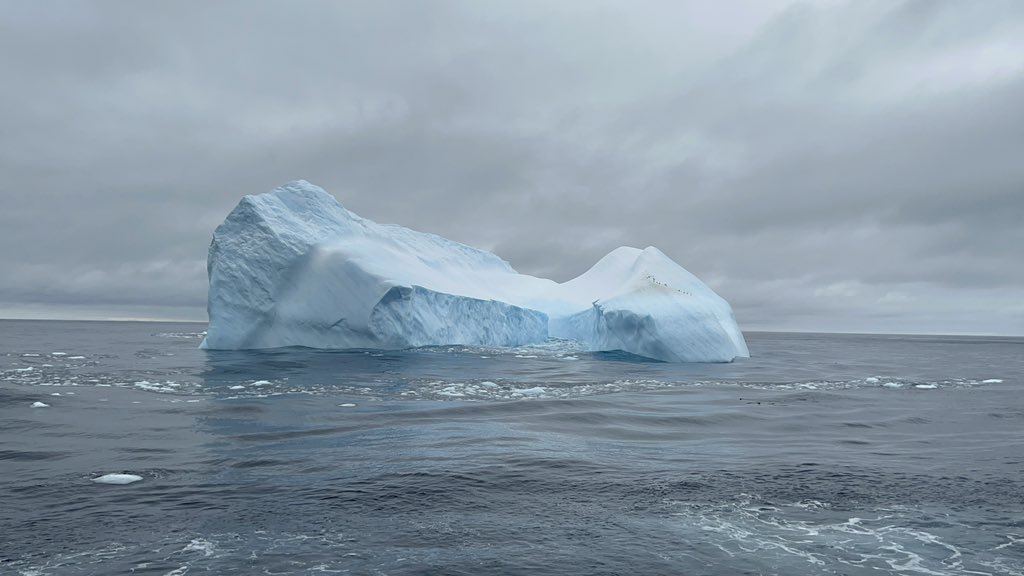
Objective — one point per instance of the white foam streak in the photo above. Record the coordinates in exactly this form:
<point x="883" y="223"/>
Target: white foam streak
<point x="888" y="541"/>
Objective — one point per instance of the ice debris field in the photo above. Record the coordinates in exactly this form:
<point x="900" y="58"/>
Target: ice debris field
<point x="292" y="267"/>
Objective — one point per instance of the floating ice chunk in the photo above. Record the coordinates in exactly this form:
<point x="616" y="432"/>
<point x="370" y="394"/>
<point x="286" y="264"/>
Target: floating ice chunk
<point x="236" y="387"/>
<point x="261" y="383"/>
<point x="30" y="355"/>
<point x="76" y="357"/>
<point x="29" y="369"/>
<point x="926" y="386"/>
<point x="488" y="384"/>
<point x="992" y="381"/>
<point x="892" y="385"/>
<point x="347" y="405"/>
<point x="533" y="392"/>
<point x="58" y="353"/>
<point x="295" y="268"/>
<point x="200" y="545"/>
<point x="150" y="386"/>
<point x="117" y="479"/>
<point x="871" y="380"/>
<point x="40" y="405"/>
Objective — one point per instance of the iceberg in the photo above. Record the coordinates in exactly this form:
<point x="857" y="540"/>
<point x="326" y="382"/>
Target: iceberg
<point x="293" y="267"/>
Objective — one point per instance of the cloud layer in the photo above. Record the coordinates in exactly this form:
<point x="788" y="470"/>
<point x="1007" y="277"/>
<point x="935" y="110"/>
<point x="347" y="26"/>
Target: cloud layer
<point x="824" y="166"/>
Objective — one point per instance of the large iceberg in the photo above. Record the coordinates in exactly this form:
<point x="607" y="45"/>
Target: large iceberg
<point x="294" y="268"/>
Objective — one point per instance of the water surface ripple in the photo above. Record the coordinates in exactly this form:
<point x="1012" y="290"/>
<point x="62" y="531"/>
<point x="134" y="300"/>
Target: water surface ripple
<point x="822" y="454"/>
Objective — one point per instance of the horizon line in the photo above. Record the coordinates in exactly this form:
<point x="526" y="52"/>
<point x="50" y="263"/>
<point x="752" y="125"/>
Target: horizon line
<point x="776" y="331"/>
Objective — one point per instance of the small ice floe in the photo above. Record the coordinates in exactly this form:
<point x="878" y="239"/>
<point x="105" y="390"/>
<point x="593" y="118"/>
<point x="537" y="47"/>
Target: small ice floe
<point x="117" y="479"/>
<point x="992" y="381"/>
<point x="30" y="355"/>
<point x="76" y="357"/>
<point x="38" y="404"/>
<point x="454" y="390"/>
<point x="261" y="383"/>
<point x="871" y="380"/>
<point x="532" y="392"/>
<point x="58" y="353"/>
<point x="54" y="393"/>
<point x="149" y="386"/>
<point x="236" y="387"/>
<point x="926" y="386"/>
<point x="200" y="545"/>
<point x="347" y="405"/>
<point x="892" y="385"/>
<point x="488" y="384"/>
<point x="29" y="369"/>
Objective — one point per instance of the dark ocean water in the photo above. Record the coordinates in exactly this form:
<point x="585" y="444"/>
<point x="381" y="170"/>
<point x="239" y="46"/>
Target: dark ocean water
<point x="822" y="454"/>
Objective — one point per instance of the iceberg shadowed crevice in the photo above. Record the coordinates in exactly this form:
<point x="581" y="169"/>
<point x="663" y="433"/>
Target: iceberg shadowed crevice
<point x="292" y="267"/>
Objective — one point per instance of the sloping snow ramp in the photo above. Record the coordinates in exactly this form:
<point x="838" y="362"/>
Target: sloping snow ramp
<point x="294" y="268"/>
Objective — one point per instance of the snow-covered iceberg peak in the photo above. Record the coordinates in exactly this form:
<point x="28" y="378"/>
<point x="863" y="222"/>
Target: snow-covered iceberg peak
<point x="294" y="268"/>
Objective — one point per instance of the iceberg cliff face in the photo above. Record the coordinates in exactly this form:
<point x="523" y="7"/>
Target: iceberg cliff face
<point x="295" y="268"/>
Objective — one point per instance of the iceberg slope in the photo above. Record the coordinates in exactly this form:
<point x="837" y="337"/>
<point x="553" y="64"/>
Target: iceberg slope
<point x="294" y="268"/>
<point x="657" y="309"/>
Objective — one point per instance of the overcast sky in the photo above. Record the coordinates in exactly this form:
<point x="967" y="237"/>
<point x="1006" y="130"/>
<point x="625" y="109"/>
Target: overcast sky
<point x="826" y="166"/>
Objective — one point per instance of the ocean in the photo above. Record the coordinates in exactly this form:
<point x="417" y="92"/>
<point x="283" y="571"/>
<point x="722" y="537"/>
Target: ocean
<point x="820" y="454"/>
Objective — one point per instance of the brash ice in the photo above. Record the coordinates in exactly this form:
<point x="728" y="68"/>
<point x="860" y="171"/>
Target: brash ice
<point x="294" y="268"/>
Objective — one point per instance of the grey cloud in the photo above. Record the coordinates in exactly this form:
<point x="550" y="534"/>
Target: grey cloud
<point x="828" y="165"/>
